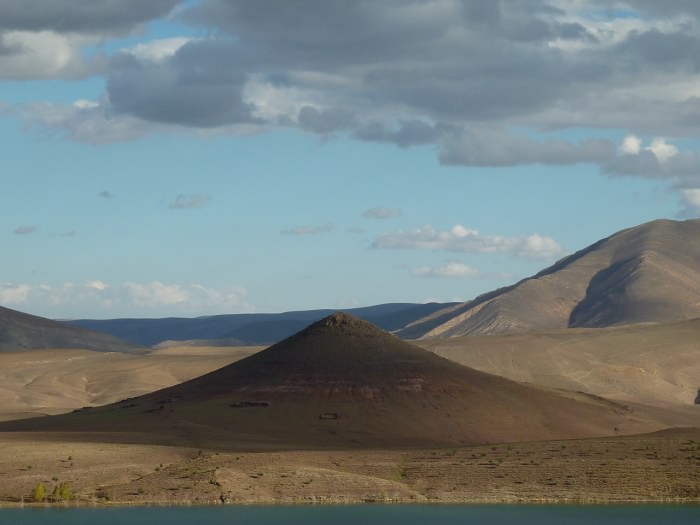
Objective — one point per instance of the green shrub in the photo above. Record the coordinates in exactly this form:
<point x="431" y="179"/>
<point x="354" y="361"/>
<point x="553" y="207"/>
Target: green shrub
<point x="62" y="492"/>
<point x="39" y="492"/>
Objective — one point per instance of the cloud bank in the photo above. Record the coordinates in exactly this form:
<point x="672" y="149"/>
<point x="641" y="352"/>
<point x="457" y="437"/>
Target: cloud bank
<point x="459" y="239"/>
<point x="125" y="299"/>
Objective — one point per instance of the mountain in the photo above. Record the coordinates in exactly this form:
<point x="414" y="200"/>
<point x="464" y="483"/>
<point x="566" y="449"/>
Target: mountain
<point x="342" y="382"/>
<point x="649" y="273"/>
<point x="248" y="329"/>
<point x="20" y="331"/>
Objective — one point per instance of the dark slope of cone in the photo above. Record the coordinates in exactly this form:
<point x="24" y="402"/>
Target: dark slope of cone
<point x="343" y="383"/>
<point x="650" y="273"/>
<point x="20" y="331"/>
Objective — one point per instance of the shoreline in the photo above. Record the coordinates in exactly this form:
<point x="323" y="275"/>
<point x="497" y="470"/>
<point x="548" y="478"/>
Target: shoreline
<point x="321" y="503"/>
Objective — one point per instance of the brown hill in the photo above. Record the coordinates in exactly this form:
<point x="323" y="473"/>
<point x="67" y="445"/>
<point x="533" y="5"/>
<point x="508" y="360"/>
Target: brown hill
<point x="20" y="331"/>
<point x="650" y="273"/>
<point x="651" y="364"/>
<point x="342" y="382"/>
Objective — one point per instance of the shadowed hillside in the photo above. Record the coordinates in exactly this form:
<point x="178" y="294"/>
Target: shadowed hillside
<point x="650" y="273"/>
<point x="342" y="382"/>
<point x="20" y="331"/>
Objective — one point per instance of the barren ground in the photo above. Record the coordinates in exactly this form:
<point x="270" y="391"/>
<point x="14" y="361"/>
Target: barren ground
<point x="655" y="467"/>
<point x="40" y="382"/>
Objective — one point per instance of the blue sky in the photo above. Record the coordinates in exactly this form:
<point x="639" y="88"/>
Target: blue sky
<point x="220" y="156"/>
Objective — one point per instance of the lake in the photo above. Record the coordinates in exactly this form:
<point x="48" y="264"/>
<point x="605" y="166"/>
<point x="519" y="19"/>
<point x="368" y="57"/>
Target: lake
<point x="363" y="515"/>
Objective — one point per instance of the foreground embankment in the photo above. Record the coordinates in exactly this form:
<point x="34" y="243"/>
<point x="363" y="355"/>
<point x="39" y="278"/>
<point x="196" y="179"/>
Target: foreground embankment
<point x="656" y="467"/>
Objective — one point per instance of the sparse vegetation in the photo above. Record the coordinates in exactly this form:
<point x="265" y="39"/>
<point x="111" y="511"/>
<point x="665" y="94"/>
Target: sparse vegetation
<point x="62" y="492"/>
<point x="39" y="492"/>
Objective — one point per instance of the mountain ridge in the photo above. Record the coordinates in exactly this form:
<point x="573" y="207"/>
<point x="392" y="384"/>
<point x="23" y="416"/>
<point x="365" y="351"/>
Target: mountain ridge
<point x="647" y="273"/>
<point x="22" y="331"/>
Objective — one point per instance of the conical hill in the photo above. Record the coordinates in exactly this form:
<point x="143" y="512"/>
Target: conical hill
<point x="342" y="383"/>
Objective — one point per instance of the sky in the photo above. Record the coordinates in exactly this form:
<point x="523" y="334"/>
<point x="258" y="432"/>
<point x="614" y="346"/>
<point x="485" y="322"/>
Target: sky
<point x="199" y="157"/>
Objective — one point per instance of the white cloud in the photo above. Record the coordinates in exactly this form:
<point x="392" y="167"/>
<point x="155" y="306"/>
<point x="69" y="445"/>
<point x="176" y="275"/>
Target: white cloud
<point x="86" y="104"/>
<point x="449" y="269"/>
<point x="14" y="293"/>
<point x="86" y="121"/>
<point x="276" y="103"/>
<point x="631" y="145"/>
<point x="536" y="246"/>
<point x="464" y="240"/>
<point x="42" y="54"/>
<point x="158" y="50"/>
<point x="489" y="145"/>
<point x="690" y="199"/>
<point x="659" y="159"/>
<point x="98" y="298"/>
<point x="662" y="150"/>
<point x="97" y="285"/>
<point x="381" y="213"/>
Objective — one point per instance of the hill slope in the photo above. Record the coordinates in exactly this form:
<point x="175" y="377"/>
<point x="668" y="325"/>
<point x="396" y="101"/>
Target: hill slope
<point x="20" y="331"/>
<point x="651" y="364"/>
<point x="650" y="273"/>
<point x="342" y="382"/>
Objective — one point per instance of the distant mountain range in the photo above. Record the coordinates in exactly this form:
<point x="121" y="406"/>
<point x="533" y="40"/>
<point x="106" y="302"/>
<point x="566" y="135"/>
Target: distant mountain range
<point x="250" y="329"/>
<point x="646" y="274"/>
<point x="19" y="331"/>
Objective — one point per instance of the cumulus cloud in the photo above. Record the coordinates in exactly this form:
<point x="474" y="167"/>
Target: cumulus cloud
<point x="308" y="230"/>
<point x="324" y="122"/>
<point x="690" y="200"/>
<point x="90" y="122"/>
<point x="25" y="55"/>
<point x="481" y="81"/>
<point x="494" y="146"/>
<point x="404" y="133"/>
<point x="381" y="213"/>
<point x="453" y="269"/>
<point x="24" y="230"/>
<point x="186" y="202"/>
<point x="200" y="85"/>
<point x="464" y="240"/>
<point x="631" y="145"/>
<point x="71" y="16"/>
<point x="97" y="297"/>
<point x="659" y="159"/>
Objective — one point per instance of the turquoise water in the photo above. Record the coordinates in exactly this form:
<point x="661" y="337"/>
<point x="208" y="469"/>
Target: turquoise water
<point x="364" y="515"/>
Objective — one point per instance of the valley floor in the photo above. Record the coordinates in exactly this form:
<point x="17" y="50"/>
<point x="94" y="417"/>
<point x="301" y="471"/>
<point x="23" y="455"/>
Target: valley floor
<point x="663" y="466"/>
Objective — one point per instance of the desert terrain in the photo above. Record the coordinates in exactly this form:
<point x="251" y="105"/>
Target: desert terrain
<point x="577" y="384"/>
<point x="55" y="381"/>
<point x="657" y="364"/>
<point x="663" y="467"/>
<point x="134" y="452"/>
